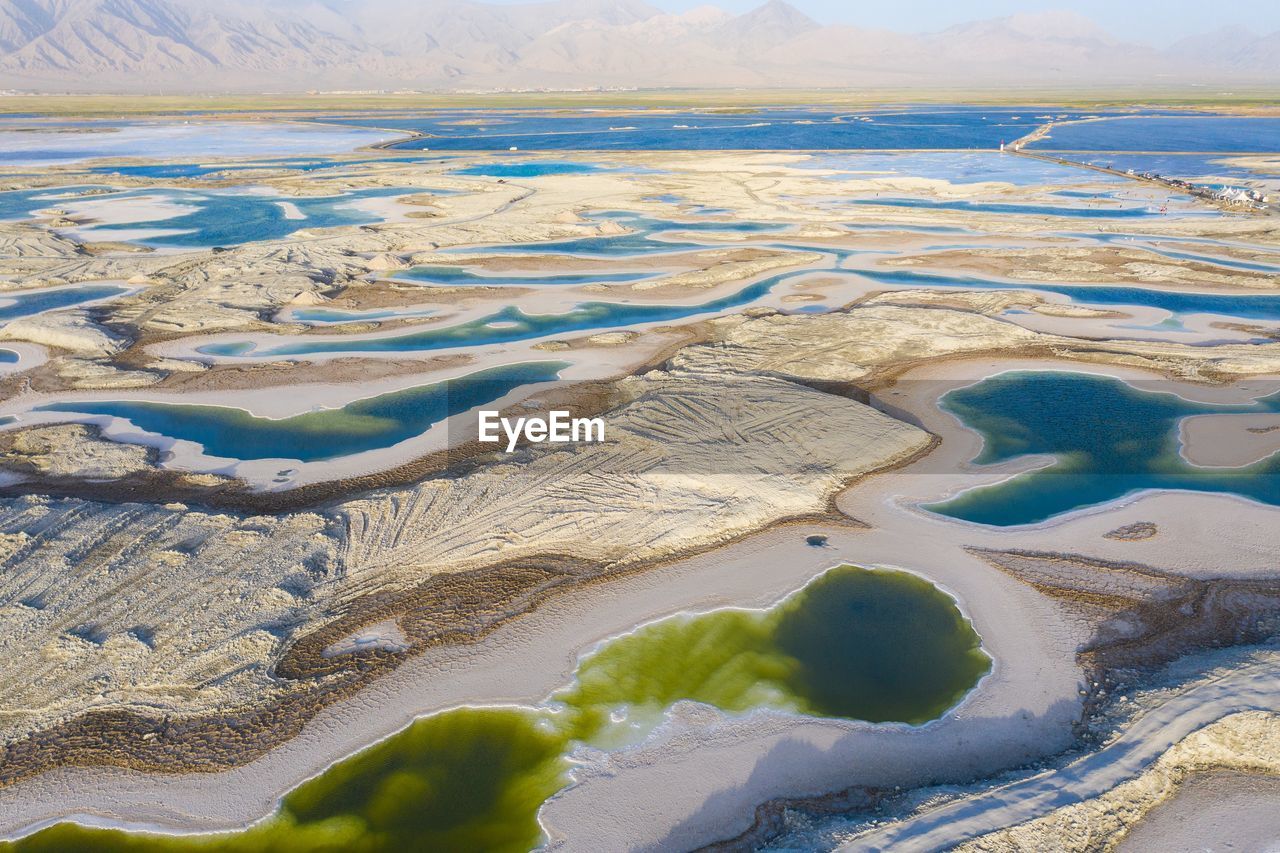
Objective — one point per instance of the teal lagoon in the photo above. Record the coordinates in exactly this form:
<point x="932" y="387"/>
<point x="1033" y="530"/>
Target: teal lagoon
<point x="529" y="170"/>
<point x="457" y="276"/>
<point x="507" y="325"/>
<point x="644" y="237"/>
<point x="913" y="229"/>
<point x="200" y="219"/>
<point x="369" y="424"/>
<point x="21" y="204"/>
<point x="1108" y="438"/>
<point x="956" y="167"/>
<point x="229" y="170"/>
<point x="1152" y="244"/>
<point x="334" y="316"/>
<point x="15" y="305"/>
<point x="27" y="144"/>
<point x="511" y="324"/>
<point x="1075" y="212"/>
<point x="1180" y="303"/>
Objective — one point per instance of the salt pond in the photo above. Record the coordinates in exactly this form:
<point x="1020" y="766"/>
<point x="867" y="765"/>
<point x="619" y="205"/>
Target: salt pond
<point x="881" y="646"/>
<point x="198" y="219"/>
<point x="26" y="303"/>
<point x="1108" y="439"/>
<point x="464" y="276"/>
<point x="28" y="142"/>
<point x="371" y="423"/>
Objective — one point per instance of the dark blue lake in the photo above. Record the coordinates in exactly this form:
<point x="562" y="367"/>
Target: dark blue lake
<point x="1201" y="168"/>
<point x="781" y="128"/>
<point x="1193" y="133"/>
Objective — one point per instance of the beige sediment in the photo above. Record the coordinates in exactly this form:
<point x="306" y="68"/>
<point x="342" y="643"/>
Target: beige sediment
<point x="724" y="778"/>
<point x="899" y="536"/>
<point x="1229" y="441"/>
<point x="1217" y="559"/>
<point x="723" y="758"/>
<point x="1209" y="806"/>
<point x="243" y="387"/>
<point x="1092" y="264"/>
<point x="1241" y="751"/>
<point x="601" y="481"/>
<point x="1024" y="708"/>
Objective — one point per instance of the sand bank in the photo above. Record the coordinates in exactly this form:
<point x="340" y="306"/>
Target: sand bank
<point x="1229" y="441"/>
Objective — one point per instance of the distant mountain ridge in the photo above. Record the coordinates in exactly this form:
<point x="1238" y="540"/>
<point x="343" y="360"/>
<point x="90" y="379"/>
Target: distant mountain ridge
<point x="301" y="45"/>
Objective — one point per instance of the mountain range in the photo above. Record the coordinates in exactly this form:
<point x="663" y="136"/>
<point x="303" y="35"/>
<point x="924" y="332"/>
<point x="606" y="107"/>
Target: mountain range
<point x="308" y="45"/>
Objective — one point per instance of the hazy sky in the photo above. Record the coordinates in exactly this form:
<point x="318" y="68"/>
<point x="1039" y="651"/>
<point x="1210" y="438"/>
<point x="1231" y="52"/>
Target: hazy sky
<point x="1153" y="21"/>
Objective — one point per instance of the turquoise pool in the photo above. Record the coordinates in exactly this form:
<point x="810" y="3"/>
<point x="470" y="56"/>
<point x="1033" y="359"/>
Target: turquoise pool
<point x="1109" y="440"/>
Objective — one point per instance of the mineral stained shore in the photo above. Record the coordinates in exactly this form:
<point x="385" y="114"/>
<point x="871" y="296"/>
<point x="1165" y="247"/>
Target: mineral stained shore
<point x="189" y="636"/>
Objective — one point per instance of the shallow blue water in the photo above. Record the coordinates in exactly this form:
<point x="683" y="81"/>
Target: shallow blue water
<point x="464" y="276"/>
<point x="8" y="356"/>
<point x="1193" y="167"/>
<point x="297" y="164"/>
<point x="1110" y="440"/>
<point x="196" y="170"/>
<point x="529" y="170"/>
<point x="45" y="156"/>
<point x="1108" y="212"/>
<point x="511" y="324"/>
<point x="1214" y="171"/>
<point x="1155" y="133"/>
<point x="20" y="204"/>
<point x="1150" y="243"/>
<point x="914" y="229"/>
<point x="508" y="325"/>
<point x="644" y="237"/>
<point x="14" y="305"/>
<point x="782" y="128"/>
<point x="229" y="218"/>
<point x="362" y="425"/>
<point x="957" y="167"/>
<point x="623" y="245"/>
<point x="324" y="316"/>
<point x="1248" y="307"/>
<point x="46" y="143"/>
<point x="1228" y="263"/>
<point x="1086" y="194"/>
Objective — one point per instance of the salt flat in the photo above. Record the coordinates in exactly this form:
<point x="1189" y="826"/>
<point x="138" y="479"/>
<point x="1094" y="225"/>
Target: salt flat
<point x="768" y="370"/>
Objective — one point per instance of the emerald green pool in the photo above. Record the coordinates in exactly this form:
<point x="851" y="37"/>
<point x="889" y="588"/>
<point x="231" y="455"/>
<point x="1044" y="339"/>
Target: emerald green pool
<point x="1108" y="438"/>
<point x="863" y="644"/>
<point x="879" y="646"/>
<point x="468" y="780"/>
